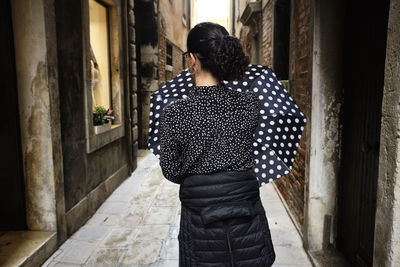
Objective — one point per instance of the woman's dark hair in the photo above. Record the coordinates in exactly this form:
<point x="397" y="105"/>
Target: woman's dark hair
<point x="219" y="53"/>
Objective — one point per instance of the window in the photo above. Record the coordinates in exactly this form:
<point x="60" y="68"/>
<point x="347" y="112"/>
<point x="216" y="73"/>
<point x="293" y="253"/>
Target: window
<point x="169" y="53"/>
<point x="104" y="70"/>
<point x="100" y="54"/>
<point x="281" y="39"/>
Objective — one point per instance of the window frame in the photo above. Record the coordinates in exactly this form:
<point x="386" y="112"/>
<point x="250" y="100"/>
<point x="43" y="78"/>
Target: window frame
<point x="168" y="43"/>
<point x="116" y="69"/>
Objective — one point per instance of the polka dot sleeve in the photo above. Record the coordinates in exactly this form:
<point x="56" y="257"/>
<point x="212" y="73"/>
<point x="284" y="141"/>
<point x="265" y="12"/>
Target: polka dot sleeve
<point x="170" y="152"/>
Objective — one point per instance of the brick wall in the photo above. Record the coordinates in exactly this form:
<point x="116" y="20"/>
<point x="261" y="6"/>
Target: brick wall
<point x="163" y="54"/>
<point x="133" y="79"/>
<point x="177" y="62"/>
<point x="293" y="185"/>
<point x="267" y="31"/>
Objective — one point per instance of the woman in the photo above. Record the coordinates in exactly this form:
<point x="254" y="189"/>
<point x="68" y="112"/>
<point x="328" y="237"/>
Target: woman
<point x="206" y="147"/>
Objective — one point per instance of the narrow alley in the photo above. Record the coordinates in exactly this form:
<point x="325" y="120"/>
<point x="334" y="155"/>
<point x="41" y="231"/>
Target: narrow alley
<point x="138" y="225"/>
<point x="80" y="185"/>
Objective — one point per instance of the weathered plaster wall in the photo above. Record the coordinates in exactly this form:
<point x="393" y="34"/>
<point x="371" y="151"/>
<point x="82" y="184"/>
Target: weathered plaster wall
<point x="38" y="114"/>
<point x="387" y="222"/>
<point x="324" y="127"/>
<point x="175" y="30"/>
<point x="239" y="7"/>
<point x="89" y="178"/>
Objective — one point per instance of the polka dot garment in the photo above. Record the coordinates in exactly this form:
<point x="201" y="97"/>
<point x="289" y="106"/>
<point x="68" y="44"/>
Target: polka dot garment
<point x="275" y="138"/>
<point x="211" y="130"/>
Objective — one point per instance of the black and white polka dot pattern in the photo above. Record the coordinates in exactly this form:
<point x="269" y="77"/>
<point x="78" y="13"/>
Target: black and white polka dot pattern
<point x="275" y="138"/>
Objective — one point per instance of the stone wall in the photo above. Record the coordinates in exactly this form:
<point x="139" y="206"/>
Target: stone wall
<point x="387" y="222"/>
<point x="133" y="79"/>
<point x="89" y="177"/>
<point x="36" y="69"/>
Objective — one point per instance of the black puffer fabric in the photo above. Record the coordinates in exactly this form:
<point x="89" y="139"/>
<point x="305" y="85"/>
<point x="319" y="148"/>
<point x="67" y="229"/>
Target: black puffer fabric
<point x="223" y="222"/>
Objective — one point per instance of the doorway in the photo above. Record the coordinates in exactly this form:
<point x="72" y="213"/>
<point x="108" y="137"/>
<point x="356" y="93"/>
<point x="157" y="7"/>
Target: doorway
<point x="363" y="72"/>
<point x="12" y="207"/>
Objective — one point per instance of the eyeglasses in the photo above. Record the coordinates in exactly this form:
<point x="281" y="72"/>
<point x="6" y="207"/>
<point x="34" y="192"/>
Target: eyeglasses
<point x="185" y="53"/>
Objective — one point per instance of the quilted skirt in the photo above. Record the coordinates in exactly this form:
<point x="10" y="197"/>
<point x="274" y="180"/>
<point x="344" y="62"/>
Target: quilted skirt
<point x="223" y="222"/>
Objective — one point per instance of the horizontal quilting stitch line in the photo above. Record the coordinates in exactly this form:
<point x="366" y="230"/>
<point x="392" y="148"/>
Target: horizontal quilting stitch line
<point x="218" y="198"/>
<point x="251" y="259"/>
<point x="199" y="239"/>
<point x="256" y="245"/>
<point x="242" y="236"/>
<point x="210" y="251"/>
<point x="210" y="262"/>
<point x="236" y="182"/>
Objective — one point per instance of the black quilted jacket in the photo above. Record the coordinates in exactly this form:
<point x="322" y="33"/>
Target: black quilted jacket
<point x="223" y="222"/>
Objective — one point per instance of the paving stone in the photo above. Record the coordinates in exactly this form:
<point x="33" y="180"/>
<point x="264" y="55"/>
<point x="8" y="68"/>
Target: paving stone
<point x="173" y="232"/>
<point x="104" y="219"/>
<point x="167" y="196"/>
<point x="142" y="252"/>
<point x="134" y="217"/>
<point x="110" y="207"/>
<point x="152" y="232"/>
<point x="155" y="178"/>
<point x="92" y="233"/>
<point x="106" y="257"/>
<point x="291" y="255"/>
<point x="177" y="219"/>
<point x="121" y="197"/>
<point x="160" y="215"/>
<point x="60" y="264"/>
<point x="145" y="196"/>
<point x="169" y="263"/>
<point x="170" y="249"/>
<point x="283" y="236"/>
<point x="75" y="252"/>
<point x="120" y="237"/>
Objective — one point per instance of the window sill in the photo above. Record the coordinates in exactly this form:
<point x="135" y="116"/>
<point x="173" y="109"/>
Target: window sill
<point x="97" y="141"/>
<point x="169" y="68"/>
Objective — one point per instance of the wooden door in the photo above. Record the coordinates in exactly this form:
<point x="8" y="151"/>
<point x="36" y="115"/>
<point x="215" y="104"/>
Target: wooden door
<point x="12" y="202"/>
<point x="364" y="61"/>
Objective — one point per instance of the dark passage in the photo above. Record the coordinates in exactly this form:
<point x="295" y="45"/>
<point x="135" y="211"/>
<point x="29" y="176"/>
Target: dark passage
<point x="364" y="61"/>
<point x="12" y="207"/>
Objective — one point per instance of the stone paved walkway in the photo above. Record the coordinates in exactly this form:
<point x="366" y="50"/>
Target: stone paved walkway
<point x="138" y="225"/>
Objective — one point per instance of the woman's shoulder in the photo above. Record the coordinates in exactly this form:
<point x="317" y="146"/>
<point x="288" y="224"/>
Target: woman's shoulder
<point x="249" y="97"/>
<point x="177" y="107"/>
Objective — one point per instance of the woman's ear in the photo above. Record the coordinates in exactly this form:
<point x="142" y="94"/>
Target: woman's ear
<point x="192" y="58"/>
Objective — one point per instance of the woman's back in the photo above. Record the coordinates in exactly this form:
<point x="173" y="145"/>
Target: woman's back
<point x="210" y="130"/>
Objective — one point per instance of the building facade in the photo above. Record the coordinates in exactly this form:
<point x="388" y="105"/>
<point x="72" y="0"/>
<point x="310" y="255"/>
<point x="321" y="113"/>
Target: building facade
<point x="64" y="59"/>
<point x="337" y="60"/>
<point x="161" y="31"/>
